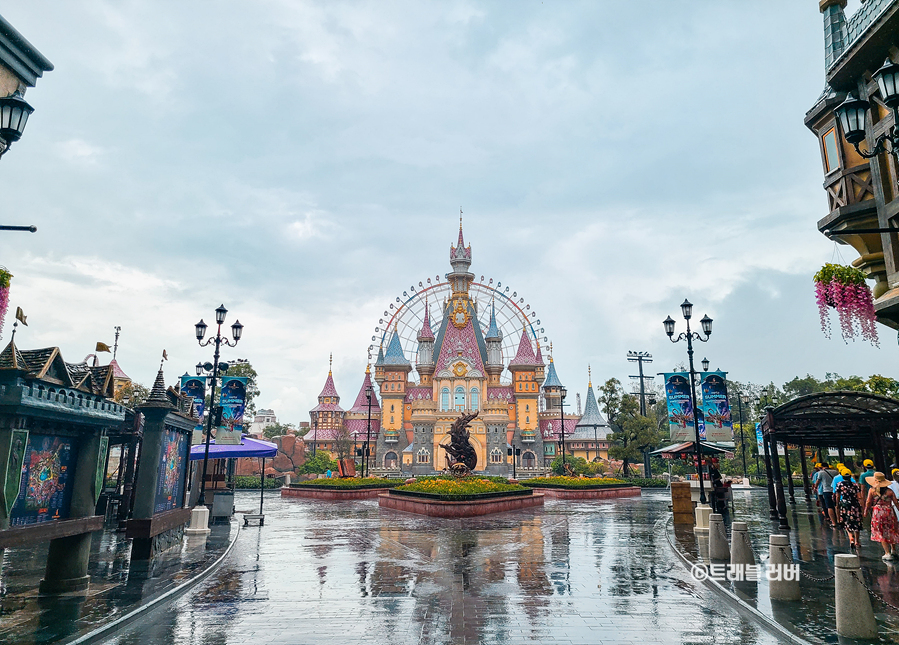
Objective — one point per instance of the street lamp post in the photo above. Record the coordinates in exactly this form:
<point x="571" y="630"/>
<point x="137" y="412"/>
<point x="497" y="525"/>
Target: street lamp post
<point x="368" y="395"/>
<point x="218" y="340"/>
<point x="690" y="336"/>
<point x="562" y="393"/>
<point x="742" y="435"/>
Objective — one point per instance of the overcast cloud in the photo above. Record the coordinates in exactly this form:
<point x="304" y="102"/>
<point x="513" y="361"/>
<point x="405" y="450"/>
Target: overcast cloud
<point x="304" y="163"/>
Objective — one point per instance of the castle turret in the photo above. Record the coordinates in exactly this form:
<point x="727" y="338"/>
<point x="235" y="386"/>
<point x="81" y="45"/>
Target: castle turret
<point x="460" y="259"/>
<point x="494" y="340"/>
<point x="327" y="416"/>
<point x="395" y="368"/>
<point x="425" y="365"/>
<point x="525" y="385"/>
<point x="552" y="388"/>
<point x="835" y="30"/>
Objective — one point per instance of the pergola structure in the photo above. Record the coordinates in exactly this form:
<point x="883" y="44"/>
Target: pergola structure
<point x="838" y="420"/>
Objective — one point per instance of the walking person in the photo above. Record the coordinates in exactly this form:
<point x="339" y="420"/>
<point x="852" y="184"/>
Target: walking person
<point x="863" y="477"/>
<point x="880" y="504"/>
<point x="849" y="509"/>
<point x="895" y="487"/>
<point x="824" y="478"/>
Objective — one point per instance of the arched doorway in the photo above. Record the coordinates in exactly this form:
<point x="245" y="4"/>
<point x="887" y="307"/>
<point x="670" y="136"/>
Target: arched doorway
<point x="528" y="459"/>
<point x="390" y="461"/>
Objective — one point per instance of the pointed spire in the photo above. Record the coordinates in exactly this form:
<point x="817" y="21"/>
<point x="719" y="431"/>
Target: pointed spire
<point x="361" y="404"/>
<point x="426" y="332"/>
<point x="461" y="239"/>
<point x="380" y="359"/>
<point x="460" y="252"/>
<point x="592" y="417"/>
<point x="539" y="357"/>
<point x="589" y="376"/>
<point x="394" y="354"/>
<point x="158" y="398"/>
<point x="329" y="389"/>
<point x="330" y="362"/>
<point x="493" y="332"/>
<point x="525" y="354"/>
<point x="552" y="379"/>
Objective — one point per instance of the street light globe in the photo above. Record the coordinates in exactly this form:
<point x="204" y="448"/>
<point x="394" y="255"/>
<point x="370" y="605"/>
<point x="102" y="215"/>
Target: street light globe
<point x="706" y="323"/>
<point x="686" y="308"/>
<point x="669" y="326"/>
<point x="199" y="369"/>
<point x="852" y="113"/>
<point x="201" y="329"/>
<point x="14" y="113"/>
<point x="236" y="330"/>
<point x="705" y="365"/>
<point x="887" y="78"/>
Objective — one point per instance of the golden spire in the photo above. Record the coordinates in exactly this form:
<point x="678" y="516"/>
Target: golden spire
<point x="460" y="218"/>
<point x="589" y="376"/>
<point x="330" y="362"/>
<point x="368" y="369"/>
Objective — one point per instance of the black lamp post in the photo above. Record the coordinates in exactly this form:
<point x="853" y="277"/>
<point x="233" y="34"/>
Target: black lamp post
<point x="562" y="393"/>
<point x="740" y="397"/>
<point x="852" y="114"/>
<point x="369" y="394"/>
<point x="690" y="336"/>
<point x="236" y="332"/>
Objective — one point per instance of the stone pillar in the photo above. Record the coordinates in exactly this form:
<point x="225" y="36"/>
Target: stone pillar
<point x="855" y="617"/>
<point x="740" y="546"/>
<point x="718" y="549"/>
<point x="703" y="511"/>
<point x="68" y="557"/>
<point x="682" y="503"/>
<point x="779" y="558"/>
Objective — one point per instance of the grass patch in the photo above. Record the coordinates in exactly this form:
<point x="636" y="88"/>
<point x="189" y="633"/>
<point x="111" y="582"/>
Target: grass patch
<point x="349" y="483"/>
<point x="573" y="482"/>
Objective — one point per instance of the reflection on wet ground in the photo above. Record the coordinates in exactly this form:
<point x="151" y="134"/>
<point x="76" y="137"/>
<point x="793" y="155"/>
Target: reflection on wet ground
<point x="26" y="617"/>
<point x="815" y="546"/>
<point x="349" y="572"/>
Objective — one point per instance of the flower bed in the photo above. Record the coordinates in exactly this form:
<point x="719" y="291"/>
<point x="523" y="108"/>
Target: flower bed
<point x="349" y="483"/>
<point x="573" y="483"/>
<point x="459" y="489"/>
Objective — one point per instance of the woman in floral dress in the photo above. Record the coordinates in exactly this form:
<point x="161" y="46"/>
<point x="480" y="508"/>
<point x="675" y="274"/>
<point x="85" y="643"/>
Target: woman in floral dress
<point x="884" y="526"/>
<point x="849" y="508"/>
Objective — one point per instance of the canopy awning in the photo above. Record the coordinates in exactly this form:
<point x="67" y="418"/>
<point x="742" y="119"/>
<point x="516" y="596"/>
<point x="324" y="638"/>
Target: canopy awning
<point x="677" y="450"/>
<point x="247" y="448"/>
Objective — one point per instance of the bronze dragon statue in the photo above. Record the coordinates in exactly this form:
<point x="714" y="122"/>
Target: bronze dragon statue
<point x="460" y="449"/>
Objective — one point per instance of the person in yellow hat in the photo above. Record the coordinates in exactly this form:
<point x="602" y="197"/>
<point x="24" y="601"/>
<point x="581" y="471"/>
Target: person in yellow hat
<point x="863" y="477"/>
<point x="846" y="493"/>
<point x="880" y="504"/>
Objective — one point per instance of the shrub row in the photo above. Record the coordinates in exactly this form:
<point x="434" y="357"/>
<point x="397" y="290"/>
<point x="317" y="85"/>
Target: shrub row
<point x="349" y="483"/>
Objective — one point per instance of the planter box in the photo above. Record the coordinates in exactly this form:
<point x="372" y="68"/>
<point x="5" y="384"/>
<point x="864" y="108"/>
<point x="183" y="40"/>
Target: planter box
<point x="462" y="498"/>
<point x="471" y="508"/>
<point x="332" y="494"/>
<point x="606" y="492"/>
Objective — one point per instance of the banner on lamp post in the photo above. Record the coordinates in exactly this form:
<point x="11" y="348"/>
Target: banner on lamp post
<point x="758" y="437"/>
<point x="195" y="388"/>
<point x="716" y="407"/>
<point x="233" y="401"/>
<point x="680" y="406"/>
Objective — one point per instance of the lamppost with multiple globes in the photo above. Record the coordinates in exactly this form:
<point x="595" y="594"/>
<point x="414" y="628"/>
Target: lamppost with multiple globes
<point x="690" y="336"/>
<point x="218" y="340"/>
<point x="562" y="393"/>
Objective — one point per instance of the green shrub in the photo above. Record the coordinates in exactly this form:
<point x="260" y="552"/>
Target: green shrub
<point x="644" y="482"/>
<point x="252" y="481"/>
<point x="450" y="489"/>
<point x="571" y="482"/>
<point x="318" y="464"/>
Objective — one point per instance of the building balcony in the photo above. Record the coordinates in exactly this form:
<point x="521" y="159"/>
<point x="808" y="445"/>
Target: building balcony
<point x="528" y="437"/>
<point x="391" y="437"/>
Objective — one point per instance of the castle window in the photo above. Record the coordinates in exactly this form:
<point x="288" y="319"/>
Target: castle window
<point x="831" y="154"/>
<point x="527" y="408"/>
<point x="444" y="399"/>
<point x="391" y="407"/>
<point x="527" y="419"/>
<point x="474" y="398"/>
<point x="496" y="457"/>
<point x="459" y="398"/>
<point x="424" y="457"/>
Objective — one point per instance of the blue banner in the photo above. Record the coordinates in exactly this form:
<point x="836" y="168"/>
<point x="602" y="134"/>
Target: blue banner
<point x="716" y="407"/>
<point x="680" y="406"/>
<point x="233" y="400"/>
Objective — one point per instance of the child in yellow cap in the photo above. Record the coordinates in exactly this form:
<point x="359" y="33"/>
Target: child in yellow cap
<point x="846" y="494"/>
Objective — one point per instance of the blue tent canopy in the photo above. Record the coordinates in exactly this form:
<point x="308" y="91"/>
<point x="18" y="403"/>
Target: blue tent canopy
<point x="247" y="448"/>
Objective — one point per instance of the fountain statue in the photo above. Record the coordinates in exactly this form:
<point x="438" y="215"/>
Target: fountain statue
<point x="460" y="449"/>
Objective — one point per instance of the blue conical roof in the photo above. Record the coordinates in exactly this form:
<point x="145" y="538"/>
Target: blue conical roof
<point x="394" y="354"/>
<point x="592" y="416"/>
<point x="380" y="360"/>
<point x="493" y="332"/>
<point x="552" y="379"/>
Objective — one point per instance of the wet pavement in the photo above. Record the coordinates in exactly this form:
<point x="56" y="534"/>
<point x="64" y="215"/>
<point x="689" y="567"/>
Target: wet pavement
<point x="814" y="547"/>
<point x="349" y="572"/>
<point x="116" y="589"/>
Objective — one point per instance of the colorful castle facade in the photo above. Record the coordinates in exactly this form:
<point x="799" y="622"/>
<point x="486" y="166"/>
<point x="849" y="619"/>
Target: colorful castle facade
<point x="460" y="368"/>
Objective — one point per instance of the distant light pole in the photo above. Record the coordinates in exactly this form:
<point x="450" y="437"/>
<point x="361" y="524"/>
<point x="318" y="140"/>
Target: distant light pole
<point x="236" y="332"/>
<point x="690" y="336"/>
<point x="740" y="397"/>
<point x="562" y="393"/>
<point x="369" y="394"/>
<point x="639" y="358"/>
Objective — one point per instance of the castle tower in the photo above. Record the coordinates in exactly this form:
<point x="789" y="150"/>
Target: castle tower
<point x="460" y="259"/>
<point x="592" y="426"/>
<point x="327" y="416"/>
<point x="525" y="386"/>
<point x="552" y="388"/>
<point x="393" y="368"/>
<point x="356" y="419"/>
<point x="425" y="365"/>
<point x="494" y="339"/>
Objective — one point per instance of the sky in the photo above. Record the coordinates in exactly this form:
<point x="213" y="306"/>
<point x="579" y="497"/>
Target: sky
<point x="304" y="162"/>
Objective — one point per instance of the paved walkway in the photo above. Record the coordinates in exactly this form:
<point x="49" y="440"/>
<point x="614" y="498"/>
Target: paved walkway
<point x="348" y="572"/>
<point x="116" y="588"/>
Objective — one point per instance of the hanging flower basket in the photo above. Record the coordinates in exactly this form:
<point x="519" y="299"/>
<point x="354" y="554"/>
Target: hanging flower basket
<point x="844" y="289"/>
<point x="5" y="277"/>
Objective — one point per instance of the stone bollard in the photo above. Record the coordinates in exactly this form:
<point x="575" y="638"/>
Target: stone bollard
<point x="855" y="617"/>
<point x="718" y="549"/>
<point x="702" y="518"/>
<point x="199" y="521"/>
<point x="780" y="557"/>
<point x="740" y="547"/>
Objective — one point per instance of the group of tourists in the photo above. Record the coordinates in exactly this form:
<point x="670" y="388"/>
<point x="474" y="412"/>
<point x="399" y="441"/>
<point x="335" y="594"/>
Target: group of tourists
<point x="845" y="501"/>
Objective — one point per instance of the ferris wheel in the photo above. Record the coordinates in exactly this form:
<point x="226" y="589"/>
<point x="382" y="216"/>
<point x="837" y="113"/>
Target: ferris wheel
<point x="407" y="314"/>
